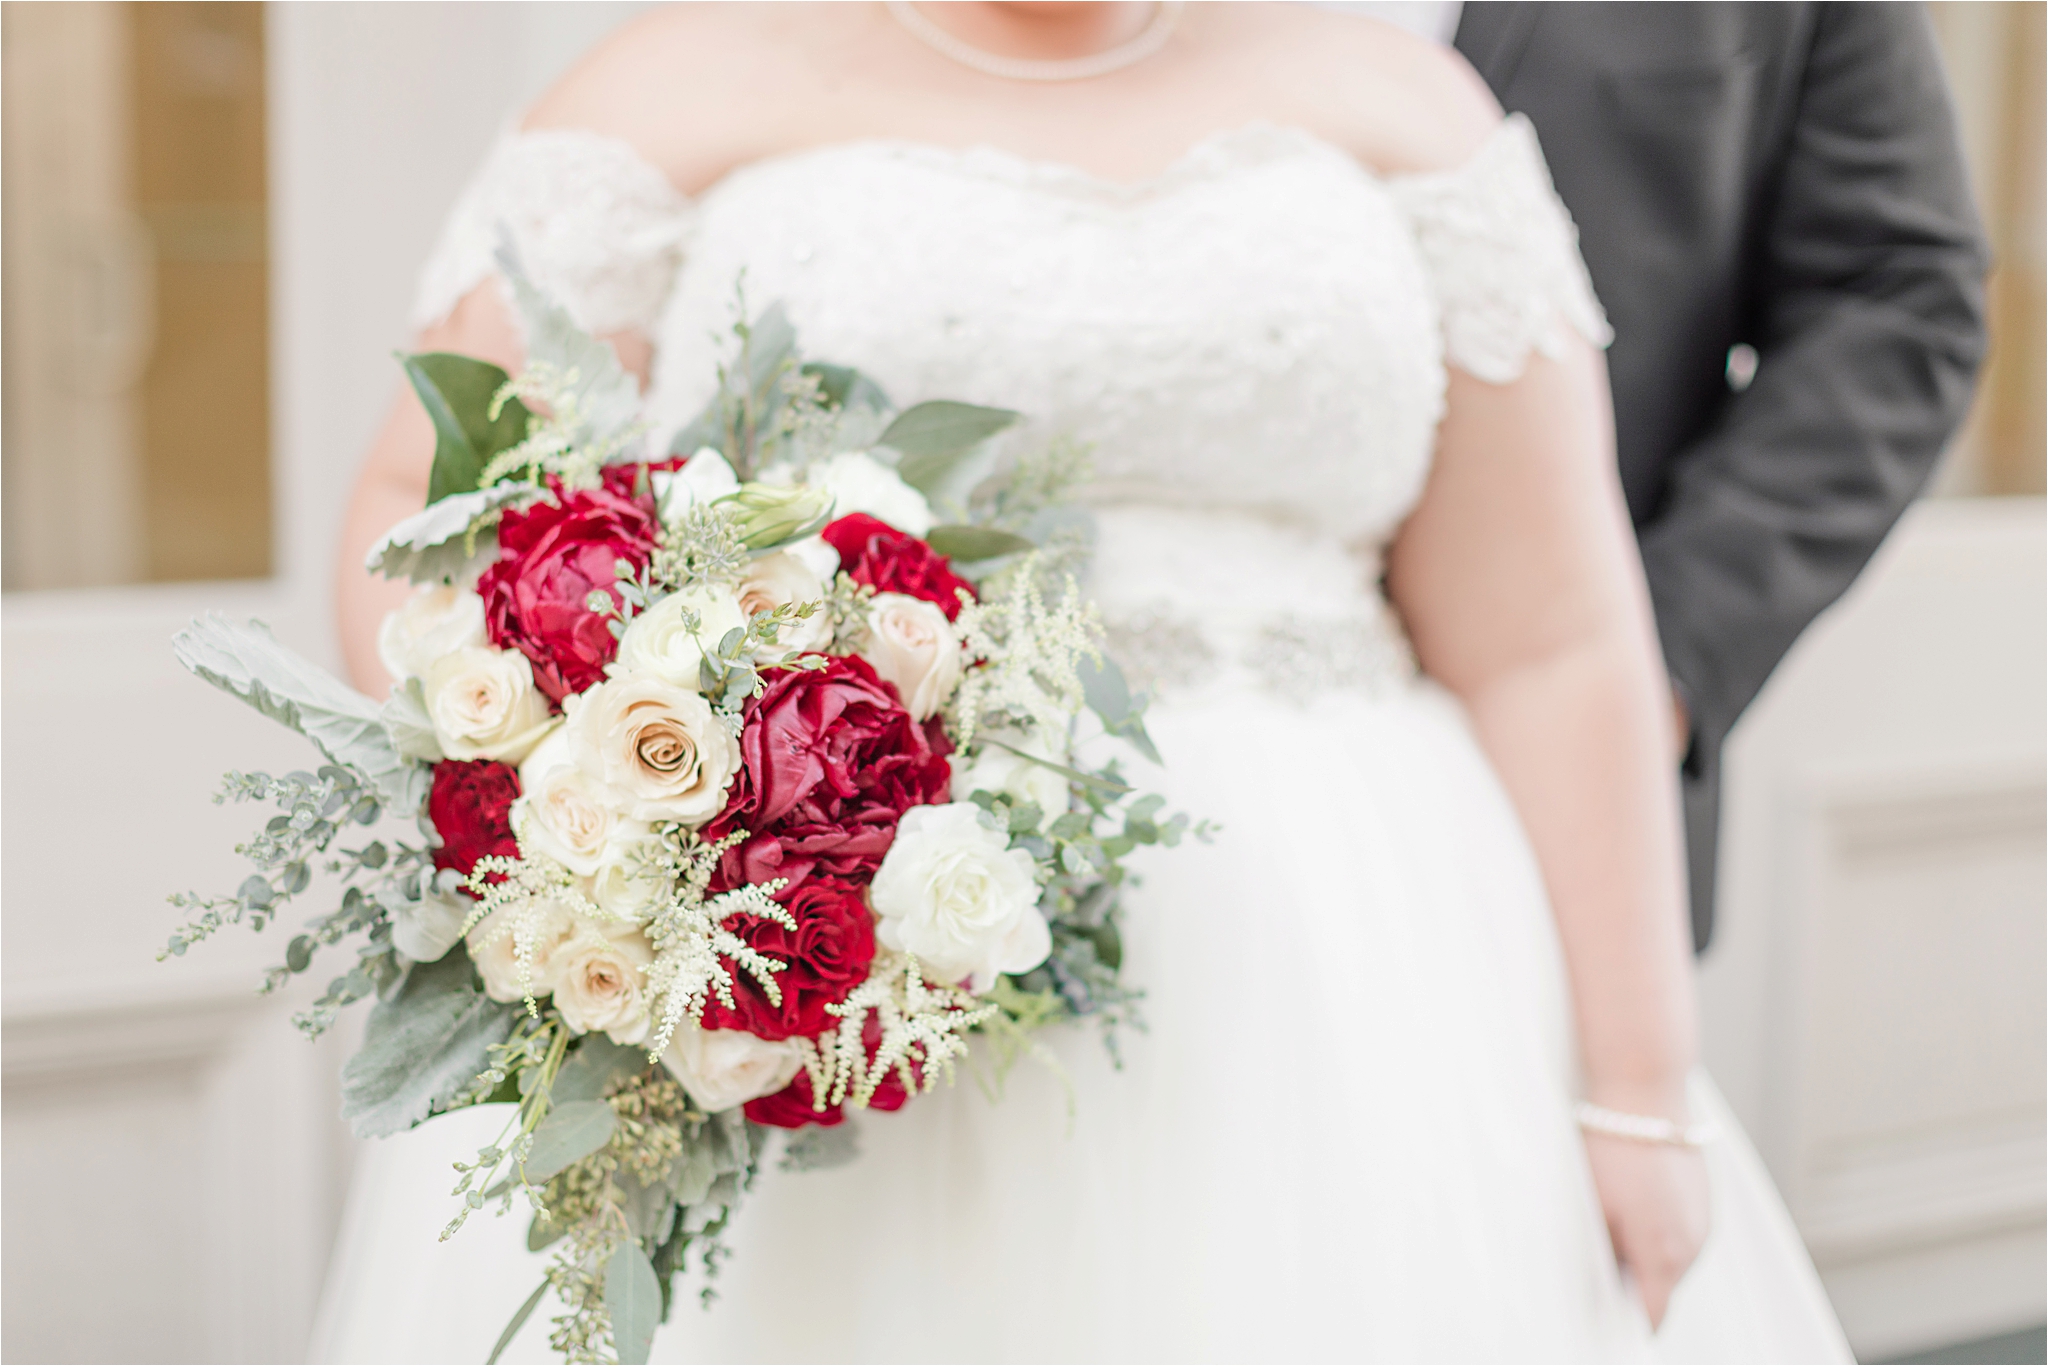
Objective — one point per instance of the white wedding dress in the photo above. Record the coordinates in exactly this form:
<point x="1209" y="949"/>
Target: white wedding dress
<point x="1348" y="1133"/>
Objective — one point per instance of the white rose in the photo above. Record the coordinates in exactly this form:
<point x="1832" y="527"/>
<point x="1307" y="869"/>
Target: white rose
<point x="721" y="1068"/>
<point x="777" y="581"/>
<point x="626" y="887"/>
<point x="996" y="770"/>
<point x="659" y="748"/>
<point x="704" y="477"/>
<point x="952" y="891"/>
<point x="600" y="982"/>
<point x="860" y="483"/>
<point x="568" y="815"/>
<point x="817" y="555"/>
<point x="484" y="706"/>
<point x="436" y="620"/>
<point x="912" y="645"/>
<point x="659" y="640"/>
<point x="494" y="948"/>
<point x="426" y="929"/>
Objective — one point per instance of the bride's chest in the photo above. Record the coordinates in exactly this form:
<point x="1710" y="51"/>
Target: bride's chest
<point x="1262" y="310"/>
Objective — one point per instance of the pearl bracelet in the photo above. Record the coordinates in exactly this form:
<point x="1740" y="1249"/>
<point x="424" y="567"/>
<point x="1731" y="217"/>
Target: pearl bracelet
<point x="1643" y="1128"/>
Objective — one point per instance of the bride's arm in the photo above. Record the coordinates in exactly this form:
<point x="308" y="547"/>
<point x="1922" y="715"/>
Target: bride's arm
<point x="1520" y="583"/>
<point x="393" y="483"/>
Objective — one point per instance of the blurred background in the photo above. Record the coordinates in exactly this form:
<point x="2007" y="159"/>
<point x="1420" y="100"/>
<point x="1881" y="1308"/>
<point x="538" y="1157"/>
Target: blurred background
<point x="213" y="215"/>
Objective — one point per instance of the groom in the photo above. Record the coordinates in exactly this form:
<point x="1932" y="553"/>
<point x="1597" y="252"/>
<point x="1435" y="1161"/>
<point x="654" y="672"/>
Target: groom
<point x="1771" y="201"/>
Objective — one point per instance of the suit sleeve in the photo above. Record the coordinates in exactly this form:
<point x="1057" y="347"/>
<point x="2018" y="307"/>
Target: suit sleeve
<point x="1868" y="323"/>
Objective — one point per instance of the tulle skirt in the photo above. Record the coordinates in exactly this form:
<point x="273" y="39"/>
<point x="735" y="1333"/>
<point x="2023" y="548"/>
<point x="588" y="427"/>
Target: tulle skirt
<point x="1346" y="1133"/>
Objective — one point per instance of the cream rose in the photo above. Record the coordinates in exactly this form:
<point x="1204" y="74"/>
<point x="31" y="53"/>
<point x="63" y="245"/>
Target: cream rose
<point x="659" y="749"/>
<point x="436" y="620"/>
<point x="426" y="929"/>
<point x="999" y="771"/>
<point x="721" y="1068"/>
<point x="601" y="981"/>
<point x="659" y="641"/>
<point x="777" y="581"/>
<point x="912" y="645"/>
<point x="568" y="815"/>
<point x="860" y="483"/>
<point x="494" y="947"/>
<point x="626" y="887"/>
<point x="484" y="706"/>
<point x="951" y="891"/>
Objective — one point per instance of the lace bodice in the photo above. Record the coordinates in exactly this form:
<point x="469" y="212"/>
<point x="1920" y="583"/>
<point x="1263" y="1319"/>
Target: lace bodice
<point x="1254" y="339"/>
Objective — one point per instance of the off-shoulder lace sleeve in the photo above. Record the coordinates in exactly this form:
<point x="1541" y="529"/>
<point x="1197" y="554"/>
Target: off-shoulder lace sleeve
<point x="1503" y="256"/>
<point x="595" y="224"/>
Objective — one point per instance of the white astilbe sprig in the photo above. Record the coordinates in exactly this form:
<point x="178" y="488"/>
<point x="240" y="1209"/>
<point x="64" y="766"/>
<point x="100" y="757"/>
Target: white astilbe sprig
<point x="922" y="1024"/>
<point x="531" y="886"/>
<point x="1028" y="654"/>
<point x="691" y="941"/>
<point x="558" y="440"/>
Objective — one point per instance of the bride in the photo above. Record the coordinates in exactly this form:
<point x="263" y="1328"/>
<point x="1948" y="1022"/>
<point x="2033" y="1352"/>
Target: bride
<point x="1314" y="304"/>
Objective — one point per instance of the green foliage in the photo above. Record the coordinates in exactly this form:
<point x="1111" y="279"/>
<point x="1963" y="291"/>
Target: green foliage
<point x="816" y="1148"/>
<point x="632" y="1297"/>
<point x="457" y="392"/>
<point x="934" y="437"/>
<point x="422" y="1047"/>
<point x="571" y="1132"/>
<point x="1111" y="699"/>
<point x="518" y="1321"/>
<point x="247" y="661"/>
<point x="976" y="542"/>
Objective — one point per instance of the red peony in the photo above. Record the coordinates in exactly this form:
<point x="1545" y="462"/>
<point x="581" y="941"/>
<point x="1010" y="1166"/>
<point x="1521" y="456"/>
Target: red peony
<point x="790" y="1108"/>
<point x="828" y="956"/>
<point x="828" y="761"/>
<point x="877" y="554"/>
<point x="471" y="807"/>
<point x="550" y="558"/>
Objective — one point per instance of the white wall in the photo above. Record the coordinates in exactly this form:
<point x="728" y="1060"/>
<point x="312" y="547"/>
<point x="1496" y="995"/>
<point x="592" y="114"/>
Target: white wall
<point x="1874" y="1002"/>
<point x="172" y="1168"/>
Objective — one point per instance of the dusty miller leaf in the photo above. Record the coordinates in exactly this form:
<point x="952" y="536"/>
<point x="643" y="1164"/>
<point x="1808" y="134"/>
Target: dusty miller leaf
<point x="606" y="397"/>
<point x="247" y="660"/>
<point x="422" y="1048"/>
<point x="433" y="544"/>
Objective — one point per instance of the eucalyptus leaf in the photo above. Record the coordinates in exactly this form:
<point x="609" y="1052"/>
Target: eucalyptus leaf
<point x="632" y="1296"/>
<point x="518" y="1321"/>
<point x="1096" y="781"/>
<point x="422" y="1048"/>
<point x="606" y="398"/>
<point x="434" y="543"/>
<point x="457" y="392"/>
<point x="596" y="1063"/>
<point x="940" y="429"/>
<point x="846" y="387"/>
<point x="1110" y="698"/>
<point x="571" y="1132"/>
<point x="540" y="1232"/>
<point x="975" y="542"/>
<point x="248" y="661"/>
<point x="771" y="342"/>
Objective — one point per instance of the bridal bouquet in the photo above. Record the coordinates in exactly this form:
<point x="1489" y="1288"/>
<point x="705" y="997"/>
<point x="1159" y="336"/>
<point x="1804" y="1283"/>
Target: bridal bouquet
<point x="746" y="783"/>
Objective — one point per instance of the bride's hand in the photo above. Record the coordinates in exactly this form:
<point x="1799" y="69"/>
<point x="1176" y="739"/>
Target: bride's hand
<point x="1655" y="1199"/>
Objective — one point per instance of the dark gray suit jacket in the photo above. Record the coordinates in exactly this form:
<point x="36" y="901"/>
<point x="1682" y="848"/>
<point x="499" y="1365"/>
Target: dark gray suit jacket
<point x="1781" y="175"/>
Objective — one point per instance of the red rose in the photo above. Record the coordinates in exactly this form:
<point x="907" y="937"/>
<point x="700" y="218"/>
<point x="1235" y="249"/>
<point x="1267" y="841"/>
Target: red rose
<point x="828" y="761"/>
<point x="828" y="956"/>
<point x="790" y="1108"/>
<point x="471" y="807"/>
<point x="550" y="558"/>
<point x="877" y="554"/>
